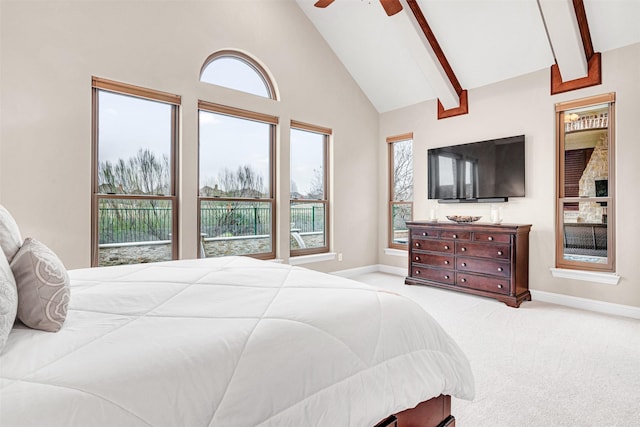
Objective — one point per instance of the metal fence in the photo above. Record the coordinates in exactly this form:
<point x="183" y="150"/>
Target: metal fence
<point x="308" y="218"/>
<point x="121" y="224"/>
<point x="223" y="221"/>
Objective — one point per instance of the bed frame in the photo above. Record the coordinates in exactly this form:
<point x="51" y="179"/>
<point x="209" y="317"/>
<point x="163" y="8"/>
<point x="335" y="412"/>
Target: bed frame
<point x="434" y="412"/>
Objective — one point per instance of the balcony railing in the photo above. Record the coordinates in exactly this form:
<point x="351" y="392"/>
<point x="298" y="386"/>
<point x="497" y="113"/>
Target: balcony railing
<point x="121" y="224"/>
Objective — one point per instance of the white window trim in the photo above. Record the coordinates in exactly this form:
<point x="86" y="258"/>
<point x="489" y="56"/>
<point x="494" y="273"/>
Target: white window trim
<point x="308" y="259"/>
<point x="396" y="252"/>
<point x="587" y="276"/>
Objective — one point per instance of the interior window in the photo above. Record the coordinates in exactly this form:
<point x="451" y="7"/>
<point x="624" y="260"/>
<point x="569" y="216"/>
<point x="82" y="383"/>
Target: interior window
<point x="134" y="194"/>
<point x="309" y="219"/>
<point x="400" y="189"/>
<point x="236" y="182"/>
<point x="585" y="207"/>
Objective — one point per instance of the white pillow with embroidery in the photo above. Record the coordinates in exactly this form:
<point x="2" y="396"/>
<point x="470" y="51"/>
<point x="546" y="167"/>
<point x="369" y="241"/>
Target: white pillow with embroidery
<point x="43" y="286"/>
<point x="10" y="238"/>
<point x="8" y="300"/>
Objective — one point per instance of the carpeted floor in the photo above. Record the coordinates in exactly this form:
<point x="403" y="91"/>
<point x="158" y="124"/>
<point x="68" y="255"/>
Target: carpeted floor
<point x="538" y="365"/>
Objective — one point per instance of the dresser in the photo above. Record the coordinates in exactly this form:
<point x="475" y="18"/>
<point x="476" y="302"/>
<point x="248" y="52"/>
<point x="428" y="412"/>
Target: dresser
<point x="490" y="260"/>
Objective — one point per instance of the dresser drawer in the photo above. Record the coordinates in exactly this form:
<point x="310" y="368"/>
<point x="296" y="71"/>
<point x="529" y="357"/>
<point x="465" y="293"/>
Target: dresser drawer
<point x="456" y="235"/>
<point x="492" y="237"/>
<point x="486" y="266"/>
<point x="433" y="245"/>
<point x="425" y="232"/>
<point x="437" y="275"/>
<point x="484" y="250"/>
<point x="482" y="283"/>
<point x="444" y="261"/>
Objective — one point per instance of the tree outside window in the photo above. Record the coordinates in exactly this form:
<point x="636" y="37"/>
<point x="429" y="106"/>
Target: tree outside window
<point x="400" y="189"/>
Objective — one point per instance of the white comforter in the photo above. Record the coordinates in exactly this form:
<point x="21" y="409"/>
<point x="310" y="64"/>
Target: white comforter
<point x="227" y="342"/>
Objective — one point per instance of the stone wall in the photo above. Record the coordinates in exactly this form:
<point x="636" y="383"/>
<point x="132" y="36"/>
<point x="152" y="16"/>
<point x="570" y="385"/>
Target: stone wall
<point x="136" y="254"/>
<point x="596" y="169"/>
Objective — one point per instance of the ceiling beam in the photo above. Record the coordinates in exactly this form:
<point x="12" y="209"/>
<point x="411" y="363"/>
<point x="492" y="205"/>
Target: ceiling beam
<point x="564" y="37"/>
<point x="583" y="24"/>
<point x="419" y="39"/>
<point x="576" y="64"/>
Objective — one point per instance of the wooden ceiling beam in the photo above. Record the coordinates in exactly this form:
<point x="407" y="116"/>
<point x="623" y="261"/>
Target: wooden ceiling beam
<point x="461" y="105"/>
<point x="576" y="66"/>
<point x="583" y="24"/>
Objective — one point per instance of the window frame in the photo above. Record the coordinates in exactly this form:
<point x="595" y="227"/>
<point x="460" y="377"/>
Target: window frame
<point x="100" y="84"/>
<point x="253" y="116"/>
<point x="326" y="133"/>
<point x="391" y="188"/>
<point x="560" y="109"/>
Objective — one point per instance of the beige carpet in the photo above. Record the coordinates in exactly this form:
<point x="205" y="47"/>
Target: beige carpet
<point x="538" y="365"/>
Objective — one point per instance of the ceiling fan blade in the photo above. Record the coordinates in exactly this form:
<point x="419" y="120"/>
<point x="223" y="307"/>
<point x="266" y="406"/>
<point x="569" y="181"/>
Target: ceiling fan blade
<point x="323" y="3"/>
<point x="390" y="6"/>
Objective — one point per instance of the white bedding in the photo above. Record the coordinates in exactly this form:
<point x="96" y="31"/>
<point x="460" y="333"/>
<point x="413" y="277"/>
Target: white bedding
<point x="227" y="342"/>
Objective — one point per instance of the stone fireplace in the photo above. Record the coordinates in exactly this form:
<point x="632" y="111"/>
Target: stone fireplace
<point x="597" y="169"/>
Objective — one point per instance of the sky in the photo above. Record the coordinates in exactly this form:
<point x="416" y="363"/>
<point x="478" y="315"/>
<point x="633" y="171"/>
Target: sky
<point x="127" y="124"/>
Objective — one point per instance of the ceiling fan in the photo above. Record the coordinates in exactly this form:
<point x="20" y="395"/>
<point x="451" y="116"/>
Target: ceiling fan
<point x="390" y="6"/>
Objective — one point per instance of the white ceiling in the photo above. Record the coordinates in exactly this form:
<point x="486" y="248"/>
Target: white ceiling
<point x="485" y="41"/>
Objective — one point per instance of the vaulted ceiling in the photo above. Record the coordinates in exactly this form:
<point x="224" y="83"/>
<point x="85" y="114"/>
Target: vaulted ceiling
<point x="484" y="41"/>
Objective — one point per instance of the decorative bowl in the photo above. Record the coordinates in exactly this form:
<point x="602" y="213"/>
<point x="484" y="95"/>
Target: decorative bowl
<point x="463" y="218"/>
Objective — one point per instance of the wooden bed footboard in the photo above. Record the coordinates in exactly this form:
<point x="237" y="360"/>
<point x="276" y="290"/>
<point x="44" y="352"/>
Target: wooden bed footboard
<point x="434" y="412"/>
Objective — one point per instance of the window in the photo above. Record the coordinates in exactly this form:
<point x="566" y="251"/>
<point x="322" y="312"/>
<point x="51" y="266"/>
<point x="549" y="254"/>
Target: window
<point x="400" y="188"/>
<point x="134" y="186"/>
<point x="236" y="182"/>
<point x="309" y="204"/>
<point x="585" y="229"/>
<point x="239" y="71"/>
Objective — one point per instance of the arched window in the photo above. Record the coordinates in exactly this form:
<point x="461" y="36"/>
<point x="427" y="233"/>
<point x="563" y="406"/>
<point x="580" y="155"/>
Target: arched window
<point x="237" y="70"/>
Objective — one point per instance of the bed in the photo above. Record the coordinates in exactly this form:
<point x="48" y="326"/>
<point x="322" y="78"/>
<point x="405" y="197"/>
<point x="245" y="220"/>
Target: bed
<point x="231" y="341"/>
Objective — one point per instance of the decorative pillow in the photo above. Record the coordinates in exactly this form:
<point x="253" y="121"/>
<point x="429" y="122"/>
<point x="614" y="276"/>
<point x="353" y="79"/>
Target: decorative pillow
<point x="43" y="286"/>
<point x="8" y="300"/>
<point x="10" y="238"/>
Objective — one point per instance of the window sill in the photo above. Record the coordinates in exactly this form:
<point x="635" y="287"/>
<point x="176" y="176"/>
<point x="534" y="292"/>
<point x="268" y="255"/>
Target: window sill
<point x="395" y="252"/>
<point x="307" y="259"/>
<point x="587" y="276"/>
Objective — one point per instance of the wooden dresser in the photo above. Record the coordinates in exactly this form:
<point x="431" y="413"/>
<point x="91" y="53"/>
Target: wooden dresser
<point x="490" y="260"/>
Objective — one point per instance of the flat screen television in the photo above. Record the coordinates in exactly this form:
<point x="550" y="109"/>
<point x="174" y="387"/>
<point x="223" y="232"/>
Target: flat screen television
<point x="484" y="171"/>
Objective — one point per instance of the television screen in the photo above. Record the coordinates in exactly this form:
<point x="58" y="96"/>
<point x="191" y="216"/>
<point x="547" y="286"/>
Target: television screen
<point x="479" y="170"/>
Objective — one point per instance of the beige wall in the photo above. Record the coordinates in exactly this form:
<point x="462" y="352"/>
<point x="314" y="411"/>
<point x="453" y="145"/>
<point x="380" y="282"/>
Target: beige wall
<point x="50" y="50"/>
<point x="524" y="106"/>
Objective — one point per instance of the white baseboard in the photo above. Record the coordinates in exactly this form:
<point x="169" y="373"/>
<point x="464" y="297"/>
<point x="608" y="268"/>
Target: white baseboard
<point x="398" y="271"/>
<point x="560" y="299"/>
<point x="586" y="304"/>
<point x="357" y="271"/>
<point x="376" y="268"/>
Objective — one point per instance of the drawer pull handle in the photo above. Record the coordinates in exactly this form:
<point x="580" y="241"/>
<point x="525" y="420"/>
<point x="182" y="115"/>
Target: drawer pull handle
<point x="499" y="286"/>
<point x="446" y="247"/>
<point x="463" y="249"/>
<point x="463" y="280"/>
<point x="446" y="277"/>
<point x="455" y="236"/>
<point x="425" y="234"/>
<point x="490" y="237"/>
<point x="418" y="245"/>
<point x="499" y="252"/>
<point x="464" y="264"/>
<point x="417" y="272"/>
<point x="446" y="262"/>
<point x="499" y="268"/>
<point x="417" y="258"/>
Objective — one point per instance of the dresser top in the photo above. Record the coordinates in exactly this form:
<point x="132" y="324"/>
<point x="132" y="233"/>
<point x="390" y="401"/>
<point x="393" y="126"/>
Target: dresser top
<point x="476" y="226"/>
